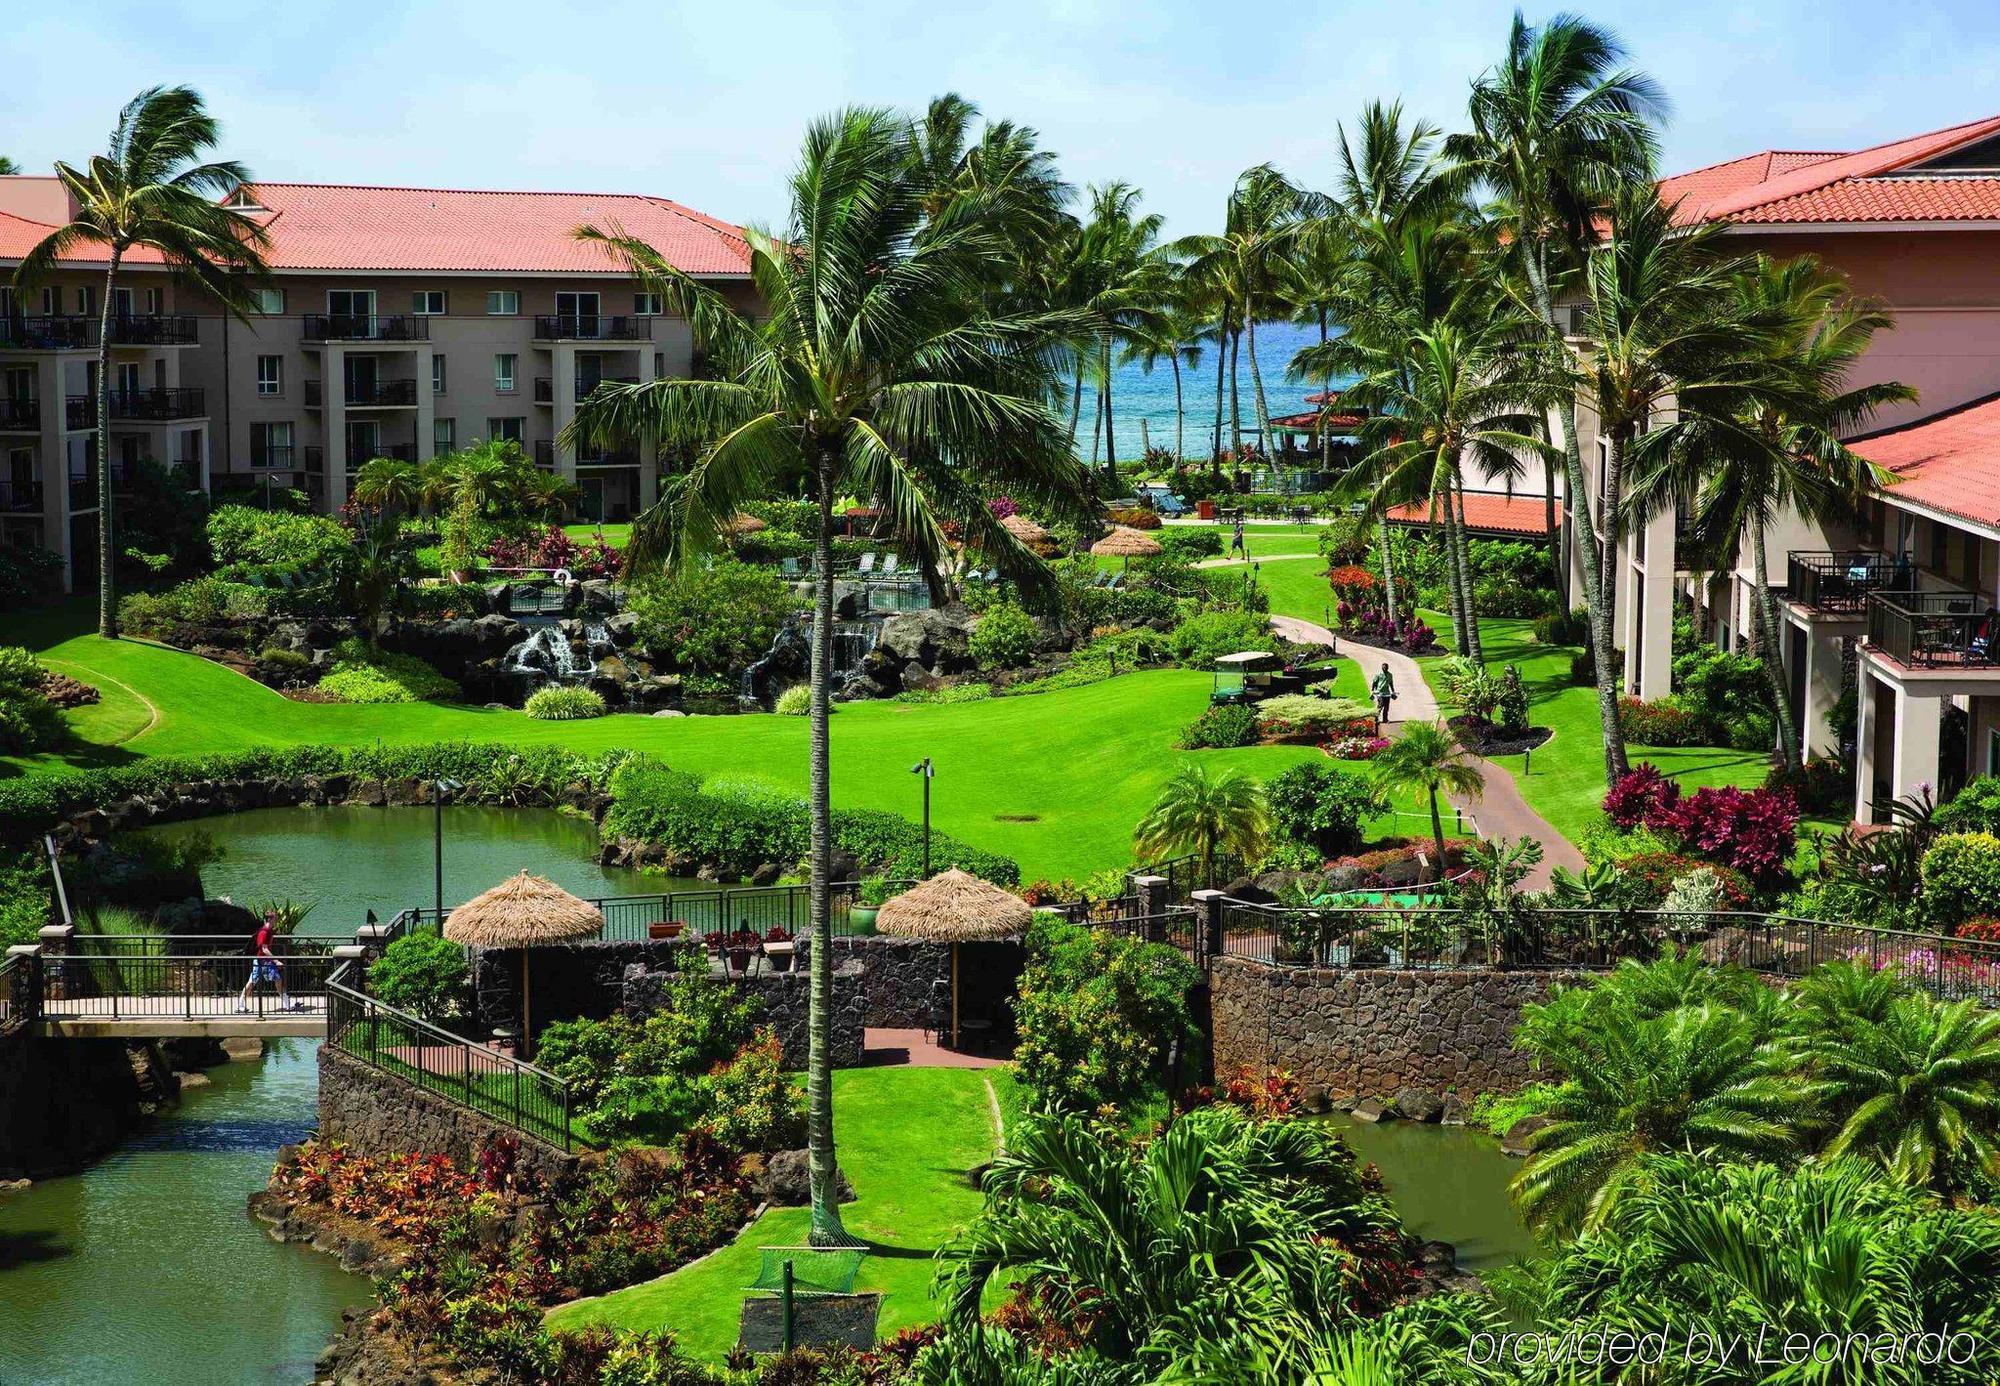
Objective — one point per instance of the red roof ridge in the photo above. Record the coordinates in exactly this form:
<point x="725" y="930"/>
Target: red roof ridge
<point x="1893" y="429"/>
<point x="1862" y="163"/>
<point x="653" y="198"/>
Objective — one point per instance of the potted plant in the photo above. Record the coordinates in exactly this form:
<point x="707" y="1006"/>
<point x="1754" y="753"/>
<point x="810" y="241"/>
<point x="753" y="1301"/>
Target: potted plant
<point x="666" y="928"/>
<point x="779" y="948"/>
<point x="874" y="893"/>
<point x="741" y="947"/>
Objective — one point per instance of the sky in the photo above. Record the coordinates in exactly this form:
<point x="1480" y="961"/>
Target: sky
<point x="705" y="103"/>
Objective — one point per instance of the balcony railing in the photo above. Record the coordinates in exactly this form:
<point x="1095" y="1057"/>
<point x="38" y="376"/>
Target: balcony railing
<point x="545" y="456"/>
<point x="186" y="402"/>
<point x="397" y="452"/>
<point x="155" y="329"/>
<point x="20" y="497"/>
<point x="280" y="458"/>
<point x="71" y="332"/>
<point x="1935" y="630"/>
<point x="591" y="327"/>
<point x="83" y="490"/>
<point x="366" y="327"/>
<point x="545" y="453"/>
<point x="545" y="392"/>
<point x="20" y="414"/>
<point x="379" y="394"/>
<point x="1842" y="579"/>
<point x="315" y="458"/>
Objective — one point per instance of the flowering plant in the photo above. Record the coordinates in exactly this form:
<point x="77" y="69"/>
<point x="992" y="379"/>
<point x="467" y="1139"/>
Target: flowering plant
<point x="1356" y="747"/>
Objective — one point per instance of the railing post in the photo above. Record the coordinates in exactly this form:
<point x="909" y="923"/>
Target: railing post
<point x="29" y="993"/>
<point x="1154" y="894"/>
<point x="57" y="941"/>
<point x="1209" y="902"/>
<point x="371" y="939"/>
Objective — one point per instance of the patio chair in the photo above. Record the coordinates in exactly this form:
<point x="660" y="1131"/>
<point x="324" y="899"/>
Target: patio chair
<point x="888" y="565"/>
<point x="1103" y="579"/>
<point x="1117" y="581"/>
<point x="789" y="567"/>
<point x="867" y="563"/>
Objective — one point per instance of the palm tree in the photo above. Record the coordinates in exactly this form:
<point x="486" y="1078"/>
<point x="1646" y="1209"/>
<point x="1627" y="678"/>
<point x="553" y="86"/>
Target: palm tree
<point x="151" y="190"/>
<point x="878" y="369"/>
<point x="1634" y="1085"/>
<point x="1119" y="278"/>
<point x="1736" y="470"/>
<point x="1428" y="757"/>
<point x="389" y="485"/>
<point x="1558" y="124"/>
<point x="1174" y="335"/>
<point x="545" y="496"/>
<point x="1199" y="813"/>
<point x="8" y="166"/>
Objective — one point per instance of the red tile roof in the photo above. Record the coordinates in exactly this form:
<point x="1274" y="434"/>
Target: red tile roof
<point x="1313" y="419"/>
<point x="1948" y="462"/>
<point x="1489" y="514"/>
<point x="18" y="236"/>
<point x="1879" y="184"/>
<point x="326" y="226"/>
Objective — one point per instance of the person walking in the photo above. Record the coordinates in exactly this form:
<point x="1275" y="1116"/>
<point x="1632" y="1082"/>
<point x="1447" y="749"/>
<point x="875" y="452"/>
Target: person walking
<point x="1236" y="545"/>
<point x="1382" y="688"/>
<point x="264" y="965"/>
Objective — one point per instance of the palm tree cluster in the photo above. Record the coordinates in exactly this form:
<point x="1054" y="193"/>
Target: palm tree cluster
<point x="491" y="479"/>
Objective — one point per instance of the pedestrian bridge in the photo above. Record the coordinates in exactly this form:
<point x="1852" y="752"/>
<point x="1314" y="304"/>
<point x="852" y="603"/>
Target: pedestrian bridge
<point x="149" y="987"/>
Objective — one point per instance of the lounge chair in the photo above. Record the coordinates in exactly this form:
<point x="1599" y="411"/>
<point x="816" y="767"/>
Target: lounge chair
<point x="888" y="565"/>
<point x="1117" y="581"/>
<point x="789" y="567"/>
<point x="867" y="563"/>
<point x="1103" y="579"/>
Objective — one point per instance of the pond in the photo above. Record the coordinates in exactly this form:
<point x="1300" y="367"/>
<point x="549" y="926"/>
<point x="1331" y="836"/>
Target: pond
<point x="348" y="860"/>
<point x="1449" y="1184"/>
<point x="147" y="1268"/>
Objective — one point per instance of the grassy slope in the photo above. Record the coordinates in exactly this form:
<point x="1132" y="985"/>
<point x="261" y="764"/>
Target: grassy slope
<point x="1079" y="766"/>
<point x="907" y="1137"/>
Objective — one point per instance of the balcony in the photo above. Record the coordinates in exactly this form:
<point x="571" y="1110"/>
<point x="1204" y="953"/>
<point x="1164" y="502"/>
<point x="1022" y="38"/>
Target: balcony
<point x="395" y="452"/>
<point x="151" y="406"/>
<point x="20" y="415"/>
<point x="315" y="458"/>
<point x="611" y="457"/>
<point x="20" y="497"/>
<point x="75" y="332"/>
<point x="591" y="327"/>
<point x="545" y="386"/>
<point x="280" y="458"/>
<point x="1841" y="580"/>
<point x="1935" y="630"/>
<point x="83" y="490"/>
<point x="366" y="327"/>
<point x="155" y="329"/>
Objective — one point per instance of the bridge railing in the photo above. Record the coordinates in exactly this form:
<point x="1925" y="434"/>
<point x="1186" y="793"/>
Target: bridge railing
<point x="473" y="1075"/>
<point x="84" y="983"/>
<point x="20" y="992"/>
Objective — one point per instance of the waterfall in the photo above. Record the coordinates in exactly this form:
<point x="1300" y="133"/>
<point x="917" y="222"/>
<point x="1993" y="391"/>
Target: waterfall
<point x="546" y="652"/>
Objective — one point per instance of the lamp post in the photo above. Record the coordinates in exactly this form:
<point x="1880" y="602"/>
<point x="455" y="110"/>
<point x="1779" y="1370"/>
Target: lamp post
<point x="439" y="788"/>
<point x="929" y="772"/>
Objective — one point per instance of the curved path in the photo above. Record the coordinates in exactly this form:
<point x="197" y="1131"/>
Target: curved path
<point x="1500" y="810"/>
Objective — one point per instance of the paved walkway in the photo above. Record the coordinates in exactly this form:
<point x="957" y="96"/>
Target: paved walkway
<point x="1500" y="811"/>
<point x="886" y="1048"/>
<point x="1235" y="561"/>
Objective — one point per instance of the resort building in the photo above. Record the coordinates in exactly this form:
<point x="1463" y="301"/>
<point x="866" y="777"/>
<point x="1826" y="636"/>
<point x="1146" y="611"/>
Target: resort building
<point x="1897" y="609"/>
<point x="398" y="322"/>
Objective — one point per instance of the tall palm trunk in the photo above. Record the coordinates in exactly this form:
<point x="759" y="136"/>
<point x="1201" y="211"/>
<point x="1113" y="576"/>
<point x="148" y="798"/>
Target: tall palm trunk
<point x="1789" y="749"/>
<point x="1477" y="647"/>
<point x="1326" y="388"/>
<point x="1437" y="832"/>
<point x="1582" y="526"/>
<point x="1096" y="423"/>
<point x="1076" y="398"/>
<point x="1180" y="409"/>
<point x="1110" y="439"/>
<point x="1454" y="580"/>
<point x="1558" y="570"/>
<point x="1257" y="389"/>
<point x="1388" y="565"/>
<point x="826" y="1229"/>
<point x="1613" y="520"/>
<point x="1236" y="392"/>
<point x="1221" y="369"/>
<point x="107" y="591"/>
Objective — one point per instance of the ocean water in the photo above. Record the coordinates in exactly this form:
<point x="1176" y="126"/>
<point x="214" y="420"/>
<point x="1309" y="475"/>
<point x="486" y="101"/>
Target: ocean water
<point x="1140" y="397"/>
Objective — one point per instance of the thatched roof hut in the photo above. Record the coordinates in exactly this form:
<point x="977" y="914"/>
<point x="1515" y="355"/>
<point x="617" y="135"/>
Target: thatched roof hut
<point x="1024" y="529"/>
<point x="1125" y="542"/>
<point x="740" y="524"/>
<point x="955" y="907"/>
<point x="523" y="912"/>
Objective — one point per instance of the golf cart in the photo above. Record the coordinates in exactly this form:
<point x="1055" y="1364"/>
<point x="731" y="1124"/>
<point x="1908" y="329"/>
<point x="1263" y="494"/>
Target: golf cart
<point x="1250" y="676"/>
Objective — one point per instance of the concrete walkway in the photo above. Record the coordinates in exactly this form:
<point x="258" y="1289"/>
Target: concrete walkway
<point x="1499" y="811"/>
<point x="892" y="1048"/>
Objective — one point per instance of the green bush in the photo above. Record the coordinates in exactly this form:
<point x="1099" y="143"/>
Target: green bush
<point x="715" y="620"/>
<point x="1004" y="638"/>
<point x="1961" y="874"/>
<point x="795" y="701"/>
<point x="1317" y="716"/>
<point x="28" y="574"/>
<point x="1099" y="1015"/>
<point x="279" y="656"/>
<point x="1205" y="637"/>
<point x="425" y="974"/>
<point x="1563" y="627"/>
<point x="1190" y="543"/>
<point x="29" y="722"/>
<point x="312" y="546"/>
<point x="360" y="675"/>
<point x="560" y="703"/>
<point x="1316" y="805"/>
<point x="1974" y="809"/>
<point x="1219" y="728"/>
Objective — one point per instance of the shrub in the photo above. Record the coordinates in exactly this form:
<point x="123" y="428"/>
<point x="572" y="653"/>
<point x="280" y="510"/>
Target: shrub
<point x="1692" y="899"/>
<point x="1135" y="517"/>
<point x="1753" y="831"/>
<point x="1219" y="728"/>
<point x="276" y="542"/>
<point x="1650" y="876"/>
<point x="28" y="574"/>
<point x="1563" y="627"/>
<point x="795" y="701"/>
<point x="29" y="722"/>
<point x="1720" y="686"/>
<point x="425" y="974"/>
<point x="1822" y="785"/>
<point x="1640" y="795"/>
<point x="1190" y="543"/>
<point x="1661" y="722"/>
<point x="1369" y="624"/>
<point x="714" y="620"/>
<point x="1961" y="874"/>
<point x="1314" y="804"/>
<point x="1316" y="718"/>
<point x="564" y="703"/>
<point x="361" y="675"/>
<point x="1205" y="637"/>
<point x="1974" y="809"/>
<point x="1099" y="1015"/>
<point x="280" y="657"/>
<point x="1004" y="638"/>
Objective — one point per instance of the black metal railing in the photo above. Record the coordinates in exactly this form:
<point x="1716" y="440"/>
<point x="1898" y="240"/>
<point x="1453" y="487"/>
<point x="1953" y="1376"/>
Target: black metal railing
<point x="278" y="457"/>
<point x="315" y="458"/>
<point x="52" y="332"/>
<point x="485" y="1079"/>
<point x="83" y="490"/>
<point x="80" y="411"/>
<point x="702" y="914"/>
<point x="371" y="394"/>
<point x="20" y="497"/>
<point x="20" y="413"/>
<point x="1928" y="630"/>
<point x="20" y="994"/>
<point x="609" y="457"/>
<point x="366" y="327"/>
<point x="180" y="402"/>
<point x="86" y="982"/>
<point x="545" y="392"/>
<point x="591" y="327"/>
<point x="313" y="394"/>
<point x="1842" y="579"/>
<point x="398" y="452"/>
<point x="155" y="329"/>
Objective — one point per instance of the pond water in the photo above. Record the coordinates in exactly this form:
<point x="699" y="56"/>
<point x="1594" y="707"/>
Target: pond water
<point x="351" y="859"/>
<point x="147" y="1268"/>
<point x="1449" y="1183"/>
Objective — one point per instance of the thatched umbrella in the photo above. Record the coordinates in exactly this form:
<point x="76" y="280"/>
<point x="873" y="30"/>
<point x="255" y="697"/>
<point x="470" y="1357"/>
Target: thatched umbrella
<point x="740" y="524"/>
<point x="1126" y="543"/>
<point x="1024" y="529"/>
<point x="523" y="912"/>
<point x="954" y="907"/>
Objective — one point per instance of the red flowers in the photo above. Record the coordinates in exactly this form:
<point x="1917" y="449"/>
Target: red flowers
<point x="1753" y="831"/>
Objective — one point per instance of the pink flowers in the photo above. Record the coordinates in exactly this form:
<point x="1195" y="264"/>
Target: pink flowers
<point x="1356" y="747"/>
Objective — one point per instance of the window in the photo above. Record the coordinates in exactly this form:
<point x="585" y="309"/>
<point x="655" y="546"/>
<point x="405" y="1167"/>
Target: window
<point x="271" y="444"/>
<point x="444" y="436"/>
<point x="156" y="302"/>
<point x="659" y="365"/>
<point x="503" y="303"/>
<point x="503" y="372"/>
<point x="8" y="307"/>
<point x="86" y="301"/>
<point x="51" y="303"/>
<point x="427" y="303"/>
<point x="126" y="381"/>
<point x="270" y="375"/>
<point x="646" y="305"/>
<point x="121" y="303"/>
<point x="437" y="375"/>
<point x="504" y="430"/>
<point x="271" y="302"/>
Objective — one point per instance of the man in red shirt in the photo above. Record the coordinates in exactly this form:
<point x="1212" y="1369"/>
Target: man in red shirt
<point x="264" y="966"/>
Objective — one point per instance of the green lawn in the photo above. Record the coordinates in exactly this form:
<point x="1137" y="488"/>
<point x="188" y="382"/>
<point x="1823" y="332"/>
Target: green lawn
<point x="617" y="536"/>
<point x="907" y="1137"/>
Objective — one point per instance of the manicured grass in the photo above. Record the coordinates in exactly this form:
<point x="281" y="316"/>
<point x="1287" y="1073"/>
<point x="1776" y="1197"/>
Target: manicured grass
<point x="1056" y="780"/>
<point x="907" y="1138"/>
<point x="617" y="536"/>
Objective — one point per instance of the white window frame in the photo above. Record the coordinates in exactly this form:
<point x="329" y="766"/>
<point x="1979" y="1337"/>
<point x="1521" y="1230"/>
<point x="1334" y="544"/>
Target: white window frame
<point x="156" y="302"/>
<point x="277" y="435"/>
<point x="437" y="374"/>
<point x="497" y="426"/>
<point x="276" y="383"/>
<point x="271" y="302"/>
<point x="503" y="303"/>
<point x="124" y="297"/>
<point x="421" y="301"/>
<point x="51" y="301"/>
<point x="647" y="305"/>
<point x="506" y="372"/>
<point x="86" y="300"/>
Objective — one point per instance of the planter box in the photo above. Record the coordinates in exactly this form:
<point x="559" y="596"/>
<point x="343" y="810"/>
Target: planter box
<point x="672" y="928"/>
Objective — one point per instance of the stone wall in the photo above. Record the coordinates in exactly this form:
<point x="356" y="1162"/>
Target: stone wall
<point x="786" y="1000"/>
<point x="896" y="991"/>
<point x="377" y="1113"/>
<point x="567" y="981"/>
<point x="1371" y="1033"/>
<point x="66" y="1102"/>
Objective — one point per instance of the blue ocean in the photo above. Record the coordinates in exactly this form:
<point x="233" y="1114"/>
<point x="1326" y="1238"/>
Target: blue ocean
<point x="1142" y="403"/>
